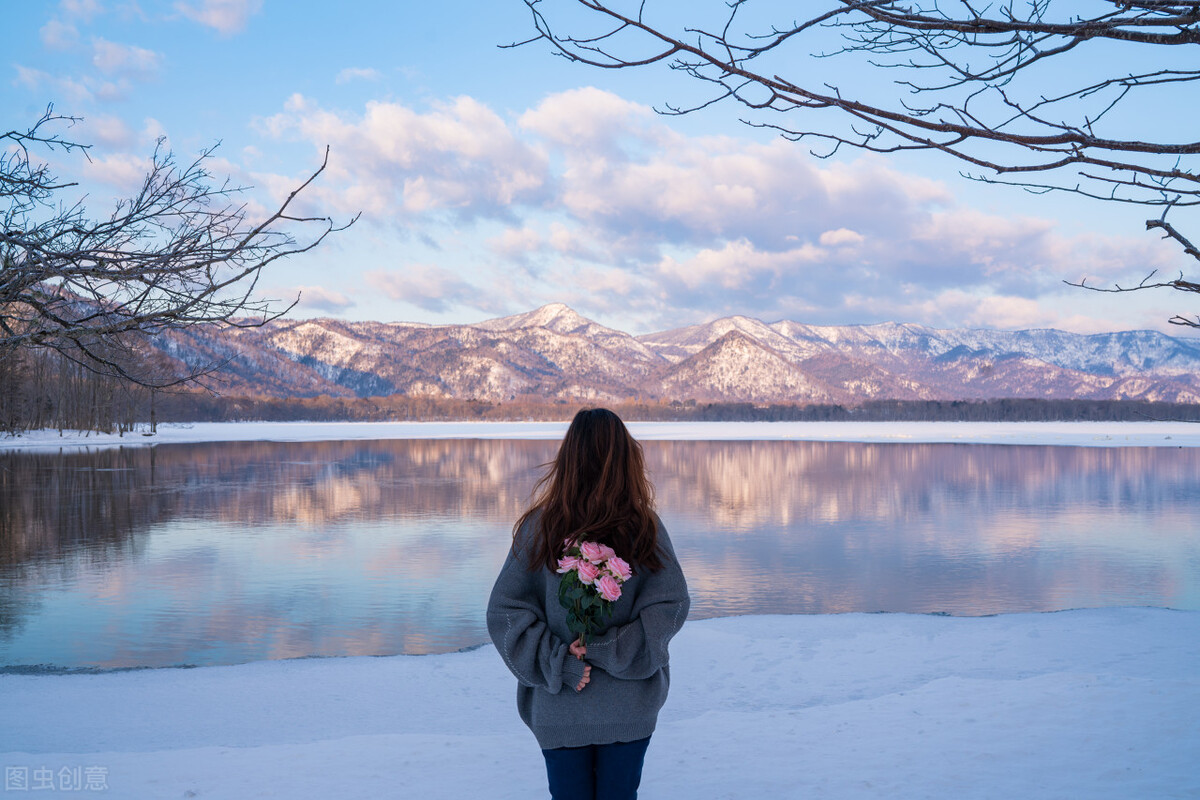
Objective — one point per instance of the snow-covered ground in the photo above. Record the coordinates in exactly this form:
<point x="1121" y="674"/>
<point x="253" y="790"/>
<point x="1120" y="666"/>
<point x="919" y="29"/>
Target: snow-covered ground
<point x="1103" y="434"/>
<point x="1077" y="704"/>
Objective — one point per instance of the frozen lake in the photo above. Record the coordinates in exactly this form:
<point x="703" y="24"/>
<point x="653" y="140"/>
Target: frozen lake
<point x="222" y="553"/>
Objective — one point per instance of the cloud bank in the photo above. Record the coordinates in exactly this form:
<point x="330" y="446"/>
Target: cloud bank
<point x="600" y="201"/>
<point x="591" y="199"/>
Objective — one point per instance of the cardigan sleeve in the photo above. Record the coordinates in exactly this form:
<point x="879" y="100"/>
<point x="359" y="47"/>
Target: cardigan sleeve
<point x="638" y="649"/>
<point x="517" y="624"/>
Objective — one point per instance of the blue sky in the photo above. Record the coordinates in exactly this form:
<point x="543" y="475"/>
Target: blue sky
<point x="492" y="181"/>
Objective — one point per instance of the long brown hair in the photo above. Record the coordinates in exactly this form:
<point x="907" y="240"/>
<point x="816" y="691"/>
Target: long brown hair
<point x="595" y="490"/>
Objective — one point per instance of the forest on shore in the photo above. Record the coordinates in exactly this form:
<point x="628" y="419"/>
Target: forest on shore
<point x="51" y="392"/>
<point x="194" y="408"/>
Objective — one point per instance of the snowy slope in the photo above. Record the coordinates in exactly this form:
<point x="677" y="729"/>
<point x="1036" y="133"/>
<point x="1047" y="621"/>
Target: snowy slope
<point x="554" y="352"/>
<point x="1096" y="704"/>
<point x="737" y="367"/>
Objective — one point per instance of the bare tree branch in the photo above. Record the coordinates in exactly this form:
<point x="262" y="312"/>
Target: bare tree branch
<point x="992" y="86"/>
<point x="180" y="252"/>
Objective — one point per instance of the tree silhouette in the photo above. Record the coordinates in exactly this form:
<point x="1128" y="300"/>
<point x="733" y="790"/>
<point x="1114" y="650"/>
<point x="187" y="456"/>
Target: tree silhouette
<point x="1011" y="88"/>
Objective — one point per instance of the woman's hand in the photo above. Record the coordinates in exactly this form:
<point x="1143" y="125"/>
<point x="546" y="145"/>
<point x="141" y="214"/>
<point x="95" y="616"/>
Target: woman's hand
<point x="578" y="649"/>
<point x="587" y="676"/>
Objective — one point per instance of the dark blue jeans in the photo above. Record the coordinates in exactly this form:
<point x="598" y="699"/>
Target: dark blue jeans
<point x="596" y="772"/>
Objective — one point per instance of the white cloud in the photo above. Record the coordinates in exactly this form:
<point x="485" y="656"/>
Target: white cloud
<point x="1111" y="258"/>
<point x="58" y="35"/>
<point x="702" y="190"/>
<point x="558" y="241"/>
<point x="358" y="73"/>
<point x="569" y="241"/>
<point x="83" y="10"/>
<point x="738" y="265"/>
<point x="998" y="311"/>
<point x="515" y="243"/>
<point x="32" y="79"/>
<point x="152" y="131"/>
<point x="599" y="199"/>
<point x="113" y="58"/>
<point x="227" y="17"/>
<point x="959" y="308"/>
<point x="107" y="130"/>
<point x="592" y="120"/>
<point x="123" y="171"/>
<point x="321" y="299"/>
<point x="35" y="80"/>
<point x="458" y="157"/>
<point x="840" y="237"/>
<point x="427" y="287"/>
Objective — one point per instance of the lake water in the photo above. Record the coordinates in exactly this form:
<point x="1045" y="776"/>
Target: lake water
<point x="234" y="552"/>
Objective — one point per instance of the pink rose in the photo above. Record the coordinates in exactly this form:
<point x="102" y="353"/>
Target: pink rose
<point x="610" y="588"/>
<point x="592" y="552"/>
<point x="607" y="552"/>
<point x="567" y="563"/>
<point x="619" y="568"/>
<point x="588" y="572"/>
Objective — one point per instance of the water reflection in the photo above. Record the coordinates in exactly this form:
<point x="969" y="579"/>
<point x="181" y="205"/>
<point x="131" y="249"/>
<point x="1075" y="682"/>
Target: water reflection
<point x="232" y="552"/>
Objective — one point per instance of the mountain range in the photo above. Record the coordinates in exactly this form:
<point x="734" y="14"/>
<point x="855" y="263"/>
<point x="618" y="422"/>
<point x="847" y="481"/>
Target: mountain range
<point x="555" y="353"/>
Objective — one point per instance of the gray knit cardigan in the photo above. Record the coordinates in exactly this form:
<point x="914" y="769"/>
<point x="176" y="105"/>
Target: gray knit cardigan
<point x="630" y="676"/>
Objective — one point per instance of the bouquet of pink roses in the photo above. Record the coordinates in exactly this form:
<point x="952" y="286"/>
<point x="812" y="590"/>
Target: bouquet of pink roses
<point x="592" y="578"/>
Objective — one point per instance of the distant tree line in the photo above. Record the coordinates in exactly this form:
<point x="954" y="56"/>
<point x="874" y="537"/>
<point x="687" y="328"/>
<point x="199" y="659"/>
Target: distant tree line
<point x="44" y="390"/>
<point x="995" y="410"/>
<point x="194" y="406"/>
<point x="82" y="297"/>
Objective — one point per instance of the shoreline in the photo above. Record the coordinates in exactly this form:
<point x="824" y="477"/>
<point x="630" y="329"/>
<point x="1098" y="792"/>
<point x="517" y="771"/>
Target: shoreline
<point x="1073" y="434"/>
<point x="853" y="706"/>
<point x="52" y="670"/>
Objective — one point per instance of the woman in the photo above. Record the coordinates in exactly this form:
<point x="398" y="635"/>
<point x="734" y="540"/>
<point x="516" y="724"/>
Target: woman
<point x="592" y="706"/>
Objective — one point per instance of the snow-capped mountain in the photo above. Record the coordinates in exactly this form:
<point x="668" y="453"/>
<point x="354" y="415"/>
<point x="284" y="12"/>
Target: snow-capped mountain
<point x="555" y="353"/>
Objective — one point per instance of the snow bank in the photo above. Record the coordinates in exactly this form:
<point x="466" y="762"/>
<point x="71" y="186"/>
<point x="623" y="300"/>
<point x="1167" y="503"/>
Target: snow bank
<point x="1102" y="434"/>
<point x="1092" y="703"/>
